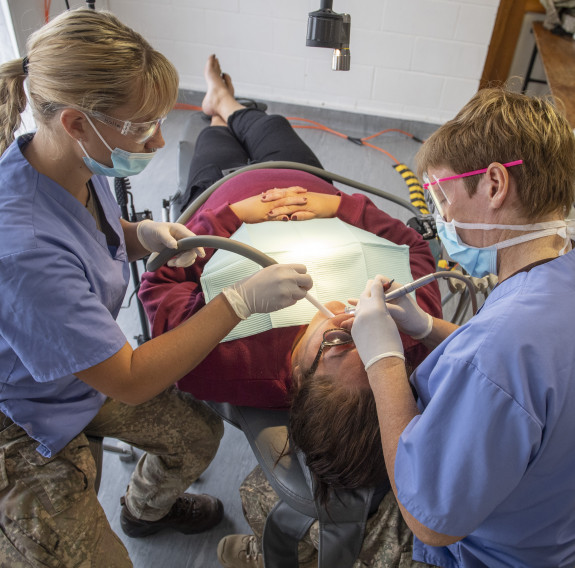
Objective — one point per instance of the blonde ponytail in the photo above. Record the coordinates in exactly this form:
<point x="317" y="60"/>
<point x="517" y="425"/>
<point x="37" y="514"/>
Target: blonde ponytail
<point x="12" y="100"/>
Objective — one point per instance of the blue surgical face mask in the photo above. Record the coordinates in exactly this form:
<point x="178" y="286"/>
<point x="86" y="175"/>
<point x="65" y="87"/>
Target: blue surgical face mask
<point x="125" y="164"/>
<point x="479" y="262"/>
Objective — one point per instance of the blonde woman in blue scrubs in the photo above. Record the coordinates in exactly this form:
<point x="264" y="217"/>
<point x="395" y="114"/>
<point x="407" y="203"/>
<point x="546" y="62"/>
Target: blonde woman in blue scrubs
<point x="99" y="93"/>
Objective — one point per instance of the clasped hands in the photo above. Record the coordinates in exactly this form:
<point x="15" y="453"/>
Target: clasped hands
<point x="376" y="324"/>
<point x="286" y="204"/>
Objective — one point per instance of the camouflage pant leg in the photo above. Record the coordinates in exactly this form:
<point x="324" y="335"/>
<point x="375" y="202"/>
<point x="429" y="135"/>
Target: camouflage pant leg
<point x="258" y="499"/>
<point x="388" y="542"/>
<point x="49" y="512"/>
<point x="181" y="436"/>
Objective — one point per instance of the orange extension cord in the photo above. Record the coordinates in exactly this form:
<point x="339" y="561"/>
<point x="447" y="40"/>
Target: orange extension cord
<point x="312" y="125"/>
<point x="47" y="10"/>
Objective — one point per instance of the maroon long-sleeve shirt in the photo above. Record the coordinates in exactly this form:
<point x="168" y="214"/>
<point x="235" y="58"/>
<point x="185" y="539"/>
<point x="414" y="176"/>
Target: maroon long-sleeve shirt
<point x="256" y="370"/>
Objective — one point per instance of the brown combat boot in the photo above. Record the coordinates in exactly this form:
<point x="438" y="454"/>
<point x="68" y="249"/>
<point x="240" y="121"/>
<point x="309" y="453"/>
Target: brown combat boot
<point x="189" y="514"/>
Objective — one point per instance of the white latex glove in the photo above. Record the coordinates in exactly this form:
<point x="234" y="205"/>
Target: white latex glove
<point x="408" y="316"/>
<point x="374" y="332"/>
<point x="270" y="289"/>
<point x="155" y="236"/>
<point x="406" y="313"/>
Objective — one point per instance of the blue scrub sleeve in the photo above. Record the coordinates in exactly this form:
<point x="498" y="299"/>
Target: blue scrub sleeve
<point x="51" y="317"/>
<point x="465" y="453"/>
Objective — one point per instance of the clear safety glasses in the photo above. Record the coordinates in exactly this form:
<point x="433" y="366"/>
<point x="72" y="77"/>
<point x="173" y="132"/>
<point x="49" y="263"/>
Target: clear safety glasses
<point x="141" y="131"/>
<point x="439" y="200"/>
<point x="331" y="338"/>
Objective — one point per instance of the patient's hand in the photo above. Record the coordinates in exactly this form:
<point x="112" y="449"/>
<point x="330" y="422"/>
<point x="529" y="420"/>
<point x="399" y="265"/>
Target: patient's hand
<point x="256" y="209"/>
<point x="281" y="192"/>
<point x="317" y="205"/>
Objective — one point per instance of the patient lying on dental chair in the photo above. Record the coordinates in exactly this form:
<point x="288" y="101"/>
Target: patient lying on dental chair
<point x="270" y="369"/>
<point x="333" y="417"/>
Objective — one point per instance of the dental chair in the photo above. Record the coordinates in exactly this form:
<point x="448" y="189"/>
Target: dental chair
<point x="341" y="523"/>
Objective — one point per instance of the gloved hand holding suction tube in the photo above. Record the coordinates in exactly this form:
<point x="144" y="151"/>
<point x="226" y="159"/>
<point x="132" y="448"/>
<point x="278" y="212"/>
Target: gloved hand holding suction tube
<point x="272" y="288"/>
<point x="374" y="332"/>
<point x="404" y="310"/>
<point x="155" y="236"/>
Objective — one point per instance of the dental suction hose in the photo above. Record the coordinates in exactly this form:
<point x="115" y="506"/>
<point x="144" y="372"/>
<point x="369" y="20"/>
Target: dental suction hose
<point x="430" y="278"/>
<point x="212" y="241"/>
<point x="466" y="280"/>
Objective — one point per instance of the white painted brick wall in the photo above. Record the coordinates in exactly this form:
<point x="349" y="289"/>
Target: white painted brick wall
<point x="416" y="59"/>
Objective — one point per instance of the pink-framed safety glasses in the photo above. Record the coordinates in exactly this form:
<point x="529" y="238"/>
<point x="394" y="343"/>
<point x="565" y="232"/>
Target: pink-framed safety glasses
<point x="439" y="197"/>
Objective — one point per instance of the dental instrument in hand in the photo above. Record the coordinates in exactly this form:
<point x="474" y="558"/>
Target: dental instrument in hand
<point x="212" y="241"/>
<point x="407" y="288"/>
<point x="399" y="292"/>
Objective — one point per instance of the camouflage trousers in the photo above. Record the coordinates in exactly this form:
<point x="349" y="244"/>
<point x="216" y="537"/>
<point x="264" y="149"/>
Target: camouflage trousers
<point x="388" y="542"/>
<point x="49" y="511"/>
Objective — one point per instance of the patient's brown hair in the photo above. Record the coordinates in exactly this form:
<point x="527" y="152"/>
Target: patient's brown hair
<point x="337" y="429"/>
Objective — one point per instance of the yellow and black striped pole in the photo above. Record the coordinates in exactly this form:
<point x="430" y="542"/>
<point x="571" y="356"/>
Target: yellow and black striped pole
<point x="416" y="195"/>
<point x="424" y="225"/>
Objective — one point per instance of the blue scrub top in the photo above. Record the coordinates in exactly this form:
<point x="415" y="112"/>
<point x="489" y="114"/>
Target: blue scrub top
<point x="61" y="290"/>
<point x="492" y="455"/>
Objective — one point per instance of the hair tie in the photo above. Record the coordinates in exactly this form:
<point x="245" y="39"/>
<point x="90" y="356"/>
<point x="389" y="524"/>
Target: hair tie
<point x="25" y="65"/>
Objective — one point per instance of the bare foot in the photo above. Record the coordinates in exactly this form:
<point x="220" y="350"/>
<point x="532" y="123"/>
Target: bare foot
<point x="217" y="120"/>
<point x="219" y="100"/>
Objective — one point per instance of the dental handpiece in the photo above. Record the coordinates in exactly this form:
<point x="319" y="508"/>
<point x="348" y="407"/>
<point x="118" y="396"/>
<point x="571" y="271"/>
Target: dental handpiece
<point x="399" y="292"/>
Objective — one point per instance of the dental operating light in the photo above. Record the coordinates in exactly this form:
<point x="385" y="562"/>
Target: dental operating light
<point x="325" y="28"/>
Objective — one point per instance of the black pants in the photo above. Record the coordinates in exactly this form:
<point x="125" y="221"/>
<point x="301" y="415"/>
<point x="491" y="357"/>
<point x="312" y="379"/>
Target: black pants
<point x="250" y="137"/>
